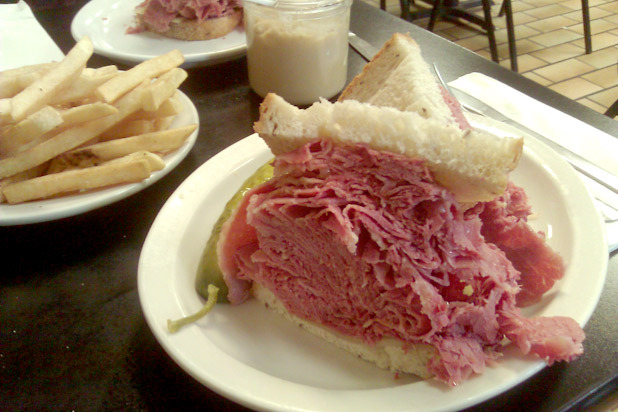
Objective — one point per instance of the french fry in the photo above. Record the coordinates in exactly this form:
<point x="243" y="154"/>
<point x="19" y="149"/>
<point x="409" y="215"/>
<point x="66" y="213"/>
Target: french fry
<point x="126" y="129"/>
<point x="86" y="112"/>
<point x="39" y="93"/>
<point x="84" y="160"/>
<point x="20" y="177"/>
<point x="163" y="123"/>
<point x="125" y="81"/>
<point x="5" y="111"/>
<point x="71" y="138"/>
<point x="26" y="79"/>
<point x="162" y="142"/>
<point x="67" y="128"/>
<point x="9" y="86"/>
<point x="85" y="85"/>
<point x="77" y="180"/>
<point x="29" y="68"/>
<point x="163" y="88"/>
<point x="13" y="81"/>
<point x="170" y="107"/>
<point x="38" y="140"/>
<point x="154" y="161"/>
<point x="31" y="128"/>
<point x="104" y="71"/>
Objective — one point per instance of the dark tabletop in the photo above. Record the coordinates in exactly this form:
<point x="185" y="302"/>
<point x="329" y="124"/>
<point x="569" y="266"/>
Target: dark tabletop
<point x="72" y="333"/>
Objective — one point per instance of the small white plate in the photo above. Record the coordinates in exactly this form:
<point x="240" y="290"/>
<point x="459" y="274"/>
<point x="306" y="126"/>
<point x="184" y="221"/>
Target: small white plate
<point x="256" y="358"/>
<point x="65" y="206"/>
<point x="106" y="23"/>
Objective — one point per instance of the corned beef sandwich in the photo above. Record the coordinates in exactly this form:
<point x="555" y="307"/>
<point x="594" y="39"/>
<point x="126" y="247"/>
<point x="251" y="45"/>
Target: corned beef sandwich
<point x="396" y="236"/>
<point x="188" y="19"/>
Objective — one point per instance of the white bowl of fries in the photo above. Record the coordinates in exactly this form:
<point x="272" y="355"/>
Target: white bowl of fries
<point x="74" y="138"/>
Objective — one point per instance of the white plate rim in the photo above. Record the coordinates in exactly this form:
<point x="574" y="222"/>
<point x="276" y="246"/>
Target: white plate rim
<point x="261" y="391"/>
<point x="88" y="21"/>
<point x="71" y="205"/>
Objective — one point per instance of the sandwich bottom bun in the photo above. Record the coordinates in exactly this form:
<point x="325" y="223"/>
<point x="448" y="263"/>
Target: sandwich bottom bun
<point x="185" y="29"/>
<point x="389" y="353"/>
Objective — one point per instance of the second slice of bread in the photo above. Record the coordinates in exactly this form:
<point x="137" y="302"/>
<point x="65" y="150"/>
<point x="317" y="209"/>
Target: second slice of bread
<point x="399" y="77"/>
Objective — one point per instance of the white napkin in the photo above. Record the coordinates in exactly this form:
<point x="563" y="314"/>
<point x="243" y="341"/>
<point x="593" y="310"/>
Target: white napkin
<point x="593" y="144"/>
<point x="22" y="39"/>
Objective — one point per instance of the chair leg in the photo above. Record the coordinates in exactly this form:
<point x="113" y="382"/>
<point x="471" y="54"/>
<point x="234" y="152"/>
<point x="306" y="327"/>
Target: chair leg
<point x="501" y="12"/>
<point x="405" y="9"/>
<point x="489" y="28"/>
<point x="486" y="23"/>
<point x="435" y="11"/>
<point x="586" y="21"/>
<point x="613" y="110"/>
<point x="510" y="30"/>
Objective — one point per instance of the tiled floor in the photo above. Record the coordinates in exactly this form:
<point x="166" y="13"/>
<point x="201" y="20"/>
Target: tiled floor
<point x="550" y="45"/>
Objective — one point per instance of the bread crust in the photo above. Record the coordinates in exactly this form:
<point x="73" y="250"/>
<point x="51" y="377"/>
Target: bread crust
<point x="359" y="85"/>
<point x="193" y="30"/>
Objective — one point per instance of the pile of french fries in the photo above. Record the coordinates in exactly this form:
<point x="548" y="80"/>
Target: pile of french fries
<point x="66" y="128"/>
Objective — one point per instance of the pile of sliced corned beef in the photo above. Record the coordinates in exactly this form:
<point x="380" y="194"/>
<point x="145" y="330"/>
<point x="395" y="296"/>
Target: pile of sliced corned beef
<point x="366" y="243"/>
<point x="160" y="13"/>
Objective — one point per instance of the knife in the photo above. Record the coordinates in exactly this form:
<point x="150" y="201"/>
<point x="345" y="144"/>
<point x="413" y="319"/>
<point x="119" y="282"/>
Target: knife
<point x="584" y="166"/>
<point x="362" y="46"/>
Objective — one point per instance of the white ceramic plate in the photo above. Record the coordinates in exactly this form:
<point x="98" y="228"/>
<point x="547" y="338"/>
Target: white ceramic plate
<point x="65" y="206"/>
<point x="256" y="358"/>
<point x="106" y="22"/>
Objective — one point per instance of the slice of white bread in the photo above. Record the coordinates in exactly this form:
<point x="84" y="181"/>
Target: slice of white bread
<point x="399" y="77"/>
<point x="472" y="164"/>
<point x="389" y="353"/>
<point x="189" y="29"/>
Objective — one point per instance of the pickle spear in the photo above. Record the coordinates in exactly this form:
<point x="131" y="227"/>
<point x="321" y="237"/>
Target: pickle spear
<point x="208" y="271"/>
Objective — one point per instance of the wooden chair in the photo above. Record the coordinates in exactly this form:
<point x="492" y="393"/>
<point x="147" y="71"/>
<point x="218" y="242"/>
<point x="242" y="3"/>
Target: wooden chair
<point x="441" y="8"/>
<point x="405" y="8"/>
<point x="586" y="23"/>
